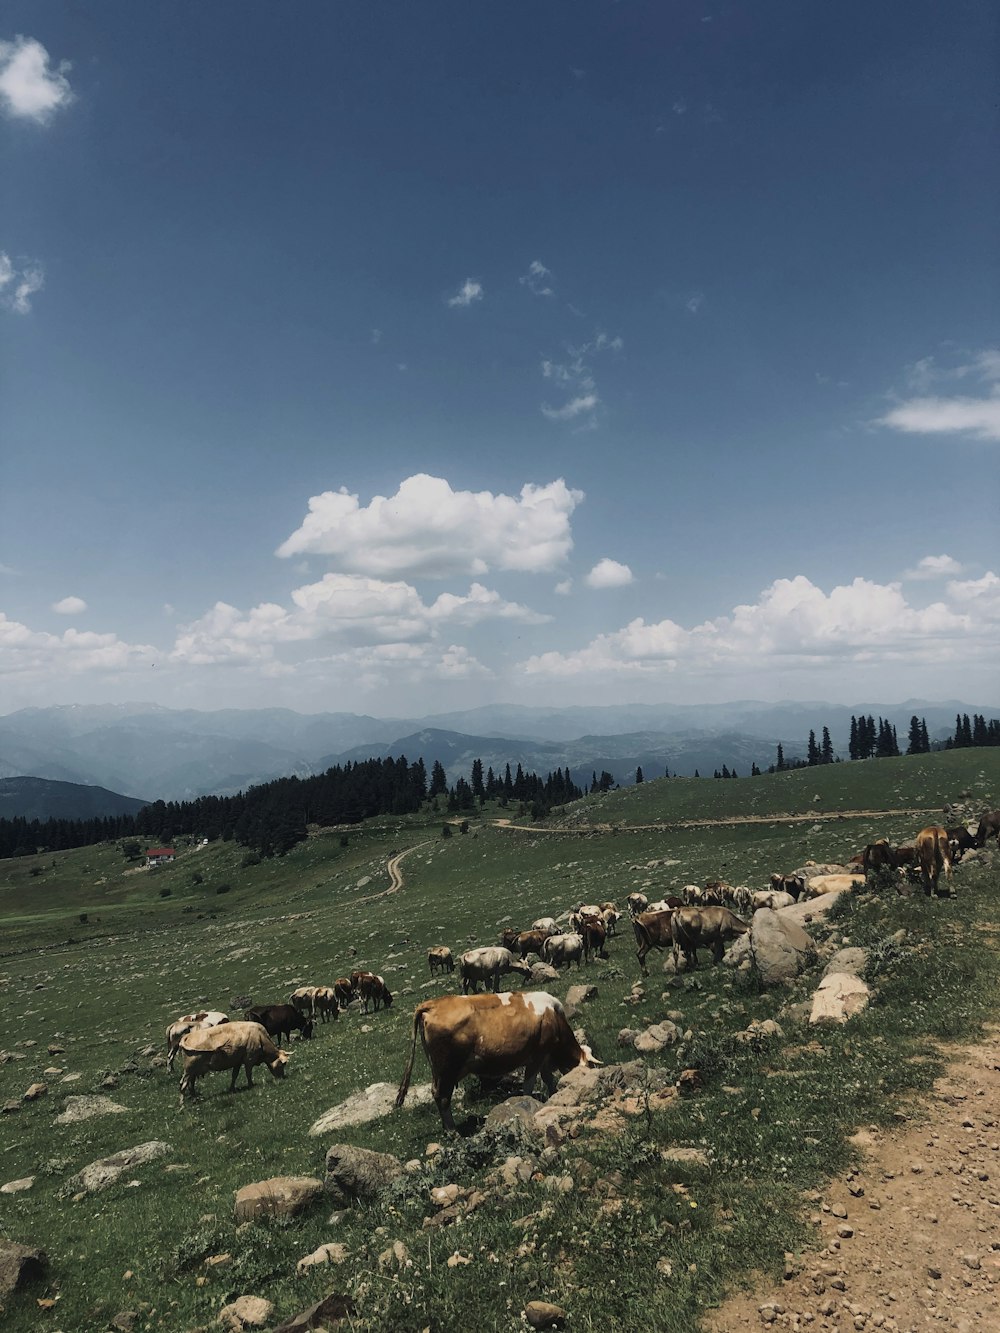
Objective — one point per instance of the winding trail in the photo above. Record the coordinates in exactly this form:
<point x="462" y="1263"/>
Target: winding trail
<point x="393" y="866"/>
<point x="731" y="821"/>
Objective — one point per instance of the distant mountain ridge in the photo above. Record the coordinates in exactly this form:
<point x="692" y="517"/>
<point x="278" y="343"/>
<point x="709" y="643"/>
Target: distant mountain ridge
<point x="175" y="754"/>
<point x="42" y="799"/>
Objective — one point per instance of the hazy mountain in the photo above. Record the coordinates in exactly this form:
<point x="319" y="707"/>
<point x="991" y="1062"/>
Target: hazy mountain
<point x="38" y="798"/>
<point x="174" y="754"/>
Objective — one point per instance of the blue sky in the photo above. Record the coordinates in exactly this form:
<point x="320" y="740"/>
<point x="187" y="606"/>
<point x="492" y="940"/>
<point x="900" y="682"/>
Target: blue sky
<point x="397" y="358"/>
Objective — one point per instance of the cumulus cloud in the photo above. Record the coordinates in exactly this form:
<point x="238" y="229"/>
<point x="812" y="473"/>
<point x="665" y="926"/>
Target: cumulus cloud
<point x="795" y="623"/>
<point x="29" y="89"/>
<point x="537" y="279"/>
<point x="934" y="567"/>
<point x="349" y="607"/>
<point x="19" y="283"/>
<point x="69" y="606"/>
<point x="608" y="574"/>
<point x="39" y="655"/>
<point x="429" y="530"/>
<point x="470" y="291"/>
<point x="977" y="417"/>
<point x="564" y="588"/>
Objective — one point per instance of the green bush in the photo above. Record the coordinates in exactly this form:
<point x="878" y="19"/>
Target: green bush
<point x="165" y="893"/>
<point x="251" y="859"/>
<point x="223" y="888"/>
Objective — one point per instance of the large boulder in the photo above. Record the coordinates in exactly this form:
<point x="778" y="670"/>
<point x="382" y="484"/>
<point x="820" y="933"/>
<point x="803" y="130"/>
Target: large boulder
<point x="19" y="1264"/>
<point x="85" y="1108"/>
<point x="373" y="1102"/>
<point x="776" y="945"/>
<point x="541" y="974"/>
<point x="106" y="1170"/>
<point x="657" y="1037"/>
<point x="245" y="1312"/>
<point x="839" y="997"/>
<point x="281" y="1196"/>
<point x="850" y="960"/>
<point x="358" y="1173"/>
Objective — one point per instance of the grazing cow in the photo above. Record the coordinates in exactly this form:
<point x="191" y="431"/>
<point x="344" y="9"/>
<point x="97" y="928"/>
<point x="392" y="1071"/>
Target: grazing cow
<point x="373" y="991"/>
<point x="176" y="1032"/>
<point x="713" y="893"/>
<point x="960" y="840"/>
<point x="577" y="919"/>
<point x="652" y="931"/>
<point x="280" y="1020"/>
<point x="878" y="854"/>
<point x="488" y="965"/>
<point x="694" y="928"/>
<point x="934" y="855"/>
<point x="304" y="1000"/>
<point x="559" y="949"/>
<point x="906" y="856"/>
<point x="989" y="827"/>
<point x="439" y="959"/>
<point x="793" y="884"/>
<point x="326" y="1004"/>
<point x="232" y="1046"/>
<point x="636" y="903"/>
<point x="594" y="937"/>
<point x="610" y="916"/>
<point x="742" y="902"/>
<point x="492" y="1035"/>
<point x="769" y="898"/>
<point x="343" y="989"/>
<point x="546" y="923"/>
<point x="529" y="941"/>
<point x="508" y="938"/>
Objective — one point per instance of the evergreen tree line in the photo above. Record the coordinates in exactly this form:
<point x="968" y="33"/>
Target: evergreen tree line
<point x="976" y="732"/>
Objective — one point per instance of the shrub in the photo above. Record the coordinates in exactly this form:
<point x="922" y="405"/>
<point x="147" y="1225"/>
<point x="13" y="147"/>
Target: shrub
<point x="251" y="859"/>
<point x="197" y="878"/>
<point x="83" y="918"/>
<point x="446" y="831"/>
<point x="344" y="841"/>
<point x="165" y="893"/>
<point x="223" y="888"/>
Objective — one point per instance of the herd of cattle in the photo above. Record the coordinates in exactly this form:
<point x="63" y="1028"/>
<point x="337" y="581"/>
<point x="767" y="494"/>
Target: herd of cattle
<point x="494" y="1033"/>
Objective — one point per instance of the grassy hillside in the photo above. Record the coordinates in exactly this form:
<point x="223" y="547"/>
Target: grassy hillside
<point x="773" y="1123"/>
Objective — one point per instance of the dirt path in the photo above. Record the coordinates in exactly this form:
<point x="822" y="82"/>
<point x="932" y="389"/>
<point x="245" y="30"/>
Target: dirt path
<point x="912" y="1242"/>
<point x="393" y="866"/>
<point x="732" y="821"/>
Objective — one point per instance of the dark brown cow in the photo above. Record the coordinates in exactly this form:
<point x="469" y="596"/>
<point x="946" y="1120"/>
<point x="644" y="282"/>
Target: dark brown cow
<point x="934" y="855"/>
<point x="694" y="928"/>
<point x="492" y="1035"/>
<point x="280" y="1020"/>
<point x="793" y="884"/>
<point x="343" y="988"/>
<point x="652" y="931"/>
<point x="594" y="938"/>
<point x="960" y="840"/>
<point x="508" y="939"/>
<point x="373" y="991"/>
<point x="529" y="941"/>
<point x="878" y="854"/>
<point x="439" y="959"/>
<point x="989" y="827"/>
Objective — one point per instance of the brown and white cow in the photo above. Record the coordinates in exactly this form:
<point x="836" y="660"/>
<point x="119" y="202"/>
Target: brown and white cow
<point x="232" y="1046"/>
<point x="439" y="959"/>
<point x="529" y="941"/>
<point x="636" y="903"/>
<point x="176" y="1032"/>
<point x="373" y="991"/>
<point x="594" y="937"/>
<point x="492" y="1035"/>
<point x="960" y="840"/>
<point x="325" y="1003"/>
<point x="343" y="989"/>
<point x="694" y="928"/>
<point x="934" y="855"/>
<point x="488" y="965"/>
<point x="793" y="884"/>
<point x="652" y="931"/>
<point x="560" y="949"/>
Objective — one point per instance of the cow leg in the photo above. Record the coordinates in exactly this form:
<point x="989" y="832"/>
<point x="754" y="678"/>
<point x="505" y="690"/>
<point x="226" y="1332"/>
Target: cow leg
<point x="718" y="950"/>
<point x="235" y="1075"/>
<point x="643" y="950"/>
<point x="441" y="1091"/>
<point x="249" y="1068"/>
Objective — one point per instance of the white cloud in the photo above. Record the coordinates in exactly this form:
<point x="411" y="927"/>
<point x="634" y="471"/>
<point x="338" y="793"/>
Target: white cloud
<point x="38" y="655"/>
<point x="29" y="89"/>
<point x="351" y="607"/>
<point x="694" y="303"/>
<point x="69" y="606"/>
<point x="796" y="624"/>
<point x="570" y="411"/>
<point x="679" y="107"/>
<point x="17" y="286"/>
<point x="943" y="414"/>
<point x="934" y="567"/>
<point x="376" y="337"/>
<point x="536" y="279"/>
<point x="609" y="574"/>
<point x="576" y="379"/>
<point x="564" y="588"/>
<point x="470" y="291"/>
<point x="429" y="530"/>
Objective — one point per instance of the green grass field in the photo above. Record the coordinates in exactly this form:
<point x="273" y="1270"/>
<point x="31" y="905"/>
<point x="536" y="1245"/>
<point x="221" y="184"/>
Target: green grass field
<point x="773" y="1122"/>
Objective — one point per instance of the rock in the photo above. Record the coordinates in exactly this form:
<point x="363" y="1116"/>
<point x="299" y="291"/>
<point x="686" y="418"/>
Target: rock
<point x="124" y="1321"/>
<point x="541" y="973"/>
<point x="657" y="1037"/>
<point x="332" y="1309"/>
<point x="850" y="960"/>
<point x="373" y="1102"/>
<point x="540" y="1314"/>
<point x="520" y="1109"/>
<point x="687" y="1156"/>
<point x="358" y="1173"/>
<point x="281" y="1196"/>
<point x="627" y="1036"/>
<point x="17" y="1186"/>
<point x="35" y="1091"/>
<point x="19" y="1264"/>
<point x="106" y="1170"/>
<point x="335" y="1253"/>
<point x="765" y="1030"/>
<point x="577" y="995"/>
<point x="397" y="1256"/>
<point x="246" y="1312"/>
<point x="84" y="1108"/>
<point x="9" y="1108"/>
<point x="839" y="997"/>
<point x="778" y="946"/>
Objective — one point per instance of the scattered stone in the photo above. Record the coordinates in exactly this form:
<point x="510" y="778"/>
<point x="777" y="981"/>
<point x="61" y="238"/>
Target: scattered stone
<point x="397" y="1256"/>
<point x="19" y="1264"/>
<point x="851" y="960"/>
<point x="281" y="1196"/>
<point x="106" y="1170"/>
<point x="9" y="1108"/>
<point x="332" y="1309"/>
<point x="84" y="1108"/>
<point x="540" y="1314"/>
<point x="521" y="1110"/>
<point x="373" y="1102"/>
<point x="839" y="997"/>
<point x="17" y="1186"/>
<point x="456" y="1260"/>
<point x="627" y="1036"/>
<point x="124" y="1321"/>
<point x="577" y="995"/>
<point x="246" y="1312"/>
<point x="540" y="973"/>
<point x="687" y="1156"/>
<point x="334" y="1253"/>
<point x="845" y="1231"/>
<point x="657" y="1037"/>
<point x="56" y="1049"/>
<point x="358" y="1173"/>
<point x="35" y="1091"/>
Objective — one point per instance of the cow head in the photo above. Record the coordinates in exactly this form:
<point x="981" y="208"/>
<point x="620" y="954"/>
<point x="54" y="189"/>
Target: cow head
<point x="277" y="1065"/>
<point x="307" y="1029"/>
<point x="589" y="1058"/>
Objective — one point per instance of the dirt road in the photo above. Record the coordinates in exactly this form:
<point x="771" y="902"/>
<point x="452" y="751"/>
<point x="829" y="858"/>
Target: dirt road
<point x="732" y="821"/>
<point x="394" y="867"/>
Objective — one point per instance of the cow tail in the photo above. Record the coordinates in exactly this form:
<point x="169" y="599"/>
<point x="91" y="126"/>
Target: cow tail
<point x="641" y="935"/>
<point x="418" y="1026"/>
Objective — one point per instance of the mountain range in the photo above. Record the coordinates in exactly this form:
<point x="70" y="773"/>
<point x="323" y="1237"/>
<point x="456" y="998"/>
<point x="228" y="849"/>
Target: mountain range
<point x="173" y="754"/>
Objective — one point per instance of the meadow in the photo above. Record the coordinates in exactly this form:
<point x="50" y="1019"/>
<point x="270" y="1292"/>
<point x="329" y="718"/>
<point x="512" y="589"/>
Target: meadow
<point x="97" y="957"/>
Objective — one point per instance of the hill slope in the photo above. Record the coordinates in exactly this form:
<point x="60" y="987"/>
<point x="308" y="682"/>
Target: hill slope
<point x="41" y="798"/>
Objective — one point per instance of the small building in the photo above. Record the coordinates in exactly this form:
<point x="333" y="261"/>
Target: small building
<point x="158" y="856"/>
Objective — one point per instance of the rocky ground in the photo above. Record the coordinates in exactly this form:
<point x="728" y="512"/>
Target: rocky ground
<point x="912" y="1241"/>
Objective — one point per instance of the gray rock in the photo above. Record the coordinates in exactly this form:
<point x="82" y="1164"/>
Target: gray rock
<point x="17" y="1186"/>
<point x="19" y="1264"/>
<point x="106" y="1170"/>
<point x="246" y="1312"/>
<point x="778" y="946"/>
<point x="847" y="960"/>
<point x="358" y="1173"/>
<point x="331" y="1310"/>
<point x="515" y="1109"/>
<point x="577" y="995"/>
<point x="373" y="1102"/>
<point x="84" y="1108"/>
<point x="281" y="1196"/>
<point x="541" y="973"/>
<point x="840" y="996"/>
<point x="657" y="1037"/>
